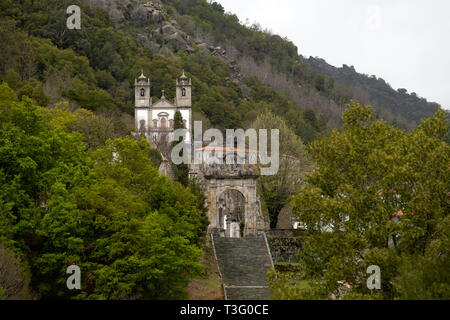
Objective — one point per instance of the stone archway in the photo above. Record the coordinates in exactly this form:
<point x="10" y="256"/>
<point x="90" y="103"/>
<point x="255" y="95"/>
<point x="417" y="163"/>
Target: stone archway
<point x="219" y="183"/>
<point x="231" y="205"/>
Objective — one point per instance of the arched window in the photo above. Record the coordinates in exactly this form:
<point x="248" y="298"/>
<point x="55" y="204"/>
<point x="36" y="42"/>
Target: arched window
<point x="171" y="123"/>
<point x="155" y="123"/>
<point x="183" y="92"/>
<point x="163" y="123"/>
<point x="142" y="92"/>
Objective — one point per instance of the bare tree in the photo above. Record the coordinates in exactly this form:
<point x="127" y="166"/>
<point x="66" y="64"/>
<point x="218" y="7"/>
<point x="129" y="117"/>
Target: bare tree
<point x="304" y="96"/>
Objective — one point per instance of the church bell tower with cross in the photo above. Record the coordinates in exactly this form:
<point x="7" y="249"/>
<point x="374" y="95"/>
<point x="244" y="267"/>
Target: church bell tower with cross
<point x="184" y="92"/>
<point x="142" y="102"/>
<point x="142" y="94"/>
<point x="156" y="120"/>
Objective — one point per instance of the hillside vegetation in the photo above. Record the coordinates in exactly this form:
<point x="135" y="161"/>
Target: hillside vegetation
<point x="236" y="70"/>
<point x="397" y="106"/>
<point x="134" y="233"/>
<point x="75" y="188"/>
<point x="378" y="197"/>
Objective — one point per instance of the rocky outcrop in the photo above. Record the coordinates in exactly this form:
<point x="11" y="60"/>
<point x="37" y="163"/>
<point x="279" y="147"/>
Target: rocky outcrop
<point x="172" y="34"/>
<point x="152" y="10"/>
<point x="163" y="32"/>
<point x="113" y="9"/>
<point x="148" y="41"/>
<point x="160" y="32"/>
<point x="203" y="48"/>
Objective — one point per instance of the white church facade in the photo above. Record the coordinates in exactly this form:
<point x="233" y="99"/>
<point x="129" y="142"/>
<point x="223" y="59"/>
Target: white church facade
<point x="156" y="120"/>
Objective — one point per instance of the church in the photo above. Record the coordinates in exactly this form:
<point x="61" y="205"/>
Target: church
<point x="234" y="208"/>
<point x="156" y="120"/>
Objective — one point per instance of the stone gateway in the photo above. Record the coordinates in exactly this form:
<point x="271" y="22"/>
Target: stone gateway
<point x="234" y="207"/>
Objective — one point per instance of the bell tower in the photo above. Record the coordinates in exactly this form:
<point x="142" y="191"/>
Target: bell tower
<point x="184" y="92"/>
<point x="142" y="96"/>
<point x="142" y="103"/>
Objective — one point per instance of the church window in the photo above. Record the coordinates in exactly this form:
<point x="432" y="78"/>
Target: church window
<point x="183" y="92"/>
<point x="163" y="123"/>
<point x="155" y="123"/>
<point x="142" y="92"/>
<point x="171" y="123"/>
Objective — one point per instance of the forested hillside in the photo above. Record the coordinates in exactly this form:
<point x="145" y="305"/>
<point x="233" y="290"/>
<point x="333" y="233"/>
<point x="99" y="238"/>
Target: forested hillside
<point x="75" y="188"/>
<point x="236" y="70"/>
<point x="396" y="106"/>
<point x="94" y="68"/>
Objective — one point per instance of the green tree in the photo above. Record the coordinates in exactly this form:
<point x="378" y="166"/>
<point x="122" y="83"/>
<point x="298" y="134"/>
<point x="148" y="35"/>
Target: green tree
<point x="134" y="233"/>
<point x="276" y="190"/>
<point x="377" y="197"/>
<point x="320" y="82"/>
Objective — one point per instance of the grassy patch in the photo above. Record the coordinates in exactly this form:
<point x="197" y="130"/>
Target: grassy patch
<point x="209" y="287"/>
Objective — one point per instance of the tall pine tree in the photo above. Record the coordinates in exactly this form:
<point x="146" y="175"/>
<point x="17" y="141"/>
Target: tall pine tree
<point x="180" y="171"/>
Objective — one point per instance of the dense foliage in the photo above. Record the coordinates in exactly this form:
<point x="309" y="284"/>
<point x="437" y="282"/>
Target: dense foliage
<point x="133" y="233"/>
<point x="396" y="106"/>
<point x="294" y="163"/>
<point x="74" y="189"/>
<point x="378" y="196"/>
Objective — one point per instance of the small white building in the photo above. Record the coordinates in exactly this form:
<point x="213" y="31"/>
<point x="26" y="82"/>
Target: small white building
<point x="155" y="120"/>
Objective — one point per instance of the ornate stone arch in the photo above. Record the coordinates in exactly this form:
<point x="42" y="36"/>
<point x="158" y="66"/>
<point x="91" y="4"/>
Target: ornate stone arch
<point x="246" y="186"/>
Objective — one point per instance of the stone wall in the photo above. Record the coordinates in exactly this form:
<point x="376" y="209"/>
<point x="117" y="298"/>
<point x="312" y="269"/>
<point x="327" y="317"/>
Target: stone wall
<point x="284" y="233"/>
<point x="283" y="248"/>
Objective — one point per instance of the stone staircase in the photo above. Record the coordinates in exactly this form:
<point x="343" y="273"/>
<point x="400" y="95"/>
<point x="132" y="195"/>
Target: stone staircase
<point x="243" y="263"/>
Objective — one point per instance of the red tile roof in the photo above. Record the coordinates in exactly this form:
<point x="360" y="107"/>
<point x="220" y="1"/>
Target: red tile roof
<point x="225" y="149"/>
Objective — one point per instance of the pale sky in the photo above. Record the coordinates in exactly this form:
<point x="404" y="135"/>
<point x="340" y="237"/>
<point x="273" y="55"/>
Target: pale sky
<point x="405" y="42"/>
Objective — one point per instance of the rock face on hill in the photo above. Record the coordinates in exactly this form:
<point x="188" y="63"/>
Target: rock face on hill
<point x="163" y="31"/>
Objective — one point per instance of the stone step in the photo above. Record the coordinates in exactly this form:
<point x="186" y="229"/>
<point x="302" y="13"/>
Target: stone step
<point x="247" y="293"/>
<point x="243" y="263"/>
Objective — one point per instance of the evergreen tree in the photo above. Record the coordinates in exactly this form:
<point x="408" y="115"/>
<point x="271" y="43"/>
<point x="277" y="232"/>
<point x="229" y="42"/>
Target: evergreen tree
<point x="180" y="171"/>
